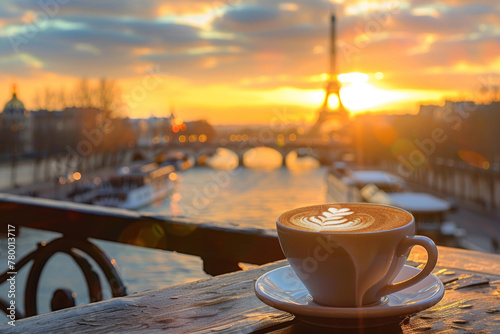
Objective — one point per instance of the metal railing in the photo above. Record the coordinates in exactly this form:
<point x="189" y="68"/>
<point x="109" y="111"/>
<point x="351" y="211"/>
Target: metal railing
<point x="220" y="248"/>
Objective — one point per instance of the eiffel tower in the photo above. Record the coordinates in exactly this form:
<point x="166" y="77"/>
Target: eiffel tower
<point x="331" y="120"/>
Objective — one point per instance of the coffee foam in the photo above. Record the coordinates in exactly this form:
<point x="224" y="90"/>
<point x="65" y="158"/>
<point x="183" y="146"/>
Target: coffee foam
<point x="348" y="217"/>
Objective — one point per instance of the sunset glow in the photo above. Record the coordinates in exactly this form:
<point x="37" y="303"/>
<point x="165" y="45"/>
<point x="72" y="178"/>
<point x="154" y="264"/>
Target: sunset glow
<point x="234" y="62"/>
<point x="358" y="94"/>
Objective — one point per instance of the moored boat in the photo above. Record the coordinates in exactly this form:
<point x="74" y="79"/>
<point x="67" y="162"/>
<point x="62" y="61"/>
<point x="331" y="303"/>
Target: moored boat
<point x="374" y="186"/>
<point x="430" y="212"/>
<point x="136" y="186"/>
<point x="180" y="160"/>
<point x="344" y="184"/>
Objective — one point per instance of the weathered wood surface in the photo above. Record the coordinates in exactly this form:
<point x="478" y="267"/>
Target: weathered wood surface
<point x="221" y="248"/>
<point x="227" y="304"/>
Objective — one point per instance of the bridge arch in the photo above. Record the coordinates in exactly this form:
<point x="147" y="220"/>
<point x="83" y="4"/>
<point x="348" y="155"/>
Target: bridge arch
<point x="326" y="154"/>
<point x="302" y="158"/>
<point x="202" y="155"/>
<point x="242" y="153"/>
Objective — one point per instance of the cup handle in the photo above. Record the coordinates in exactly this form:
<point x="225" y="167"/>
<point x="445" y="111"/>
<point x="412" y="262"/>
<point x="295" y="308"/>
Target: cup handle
<point x="432" y="256"/>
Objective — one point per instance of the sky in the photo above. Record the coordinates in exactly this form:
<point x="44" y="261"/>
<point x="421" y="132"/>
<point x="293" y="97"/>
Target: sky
<point x="243" y="61"/>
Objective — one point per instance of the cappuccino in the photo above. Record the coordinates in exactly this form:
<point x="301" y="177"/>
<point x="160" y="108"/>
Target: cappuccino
<point x="346" y="218"/>
<point x="348" y="254"/>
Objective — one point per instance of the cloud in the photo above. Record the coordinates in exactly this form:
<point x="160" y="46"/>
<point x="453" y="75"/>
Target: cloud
<point x="251" y="14"/>
<point x="409" y="43"/>
<point x="9" y="12"/>
<point x="89" y="7"/>
<point x="252" y="44"/>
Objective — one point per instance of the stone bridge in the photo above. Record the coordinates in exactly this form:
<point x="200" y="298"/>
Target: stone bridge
<point x="325" y="152"/>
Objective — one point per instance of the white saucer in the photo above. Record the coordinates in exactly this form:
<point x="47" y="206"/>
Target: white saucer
<point x="281" y="289"/>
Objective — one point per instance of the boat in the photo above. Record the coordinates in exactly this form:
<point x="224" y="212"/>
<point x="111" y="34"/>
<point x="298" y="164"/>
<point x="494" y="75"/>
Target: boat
<point x="83" y="192"/>
<point x="180" y="160"/>
<point x="135" y="186"/>
<point x="344" y="184"/>
<point x="374" y="186"/>
<point x="430" y="212"/>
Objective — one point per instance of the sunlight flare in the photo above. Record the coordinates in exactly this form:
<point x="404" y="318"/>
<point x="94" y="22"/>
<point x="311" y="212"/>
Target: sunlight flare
<point x="358" y="94"/>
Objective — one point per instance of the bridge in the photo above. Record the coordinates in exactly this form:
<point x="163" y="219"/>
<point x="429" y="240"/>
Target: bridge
<point x="325" y="152"/>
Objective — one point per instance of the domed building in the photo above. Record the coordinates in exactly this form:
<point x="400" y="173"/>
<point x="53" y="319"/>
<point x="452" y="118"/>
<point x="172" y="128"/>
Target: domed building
<point x="14" y="108"/>
<point x="15" y="127"/>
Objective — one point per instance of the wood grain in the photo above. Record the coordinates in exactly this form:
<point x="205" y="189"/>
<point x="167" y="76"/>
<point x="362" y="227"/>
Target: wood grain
<point x="227" y="304"/>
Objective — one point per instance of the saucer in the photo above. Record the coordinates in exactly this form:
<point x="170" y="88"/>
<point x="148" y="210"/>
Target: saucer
<point x="282" y="289"/>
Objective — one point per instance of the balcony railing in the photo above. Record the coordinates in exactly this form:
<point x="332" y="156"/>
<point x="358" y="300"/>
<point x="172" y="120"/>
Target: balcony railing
<point x="220" y="248"/>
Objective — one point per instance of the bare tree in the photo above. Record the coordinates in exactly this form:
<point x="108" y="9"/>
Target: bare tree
<point x="37" y="102"/>
<point x="49" y="99"/>
<point x="62" y="100"/>
<point x="108" y="97"/>
<point x="104" y="95"/>
<point x="83" y="94"/>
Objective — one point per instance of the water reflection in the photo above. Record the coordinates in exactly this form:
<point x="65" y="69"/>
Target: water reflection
<point x="248" y="197"/>
<point x="297" y="162"/>
<point x="263" y="158"/>
<point x="223" y="159"/>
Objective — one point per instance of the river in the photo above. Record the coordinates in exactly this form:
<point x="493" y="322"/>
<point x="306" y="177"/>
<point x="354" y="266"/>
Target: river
<point x="245" y="196"/>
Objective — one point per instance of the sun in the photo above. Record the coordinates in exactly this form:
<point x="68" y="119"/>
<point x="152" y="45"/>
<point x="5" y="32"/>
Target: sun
<point x="358" y="94"/>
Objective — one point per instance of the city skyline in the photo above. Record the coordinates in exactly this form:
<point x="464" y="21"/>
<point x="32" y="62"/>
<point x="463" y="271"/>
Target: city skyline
<point x="239" y="61"/>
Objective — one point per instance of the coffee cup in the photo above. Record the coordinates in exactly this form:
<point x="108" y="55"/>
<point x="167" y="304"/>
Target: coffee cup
<point x="348" y="254"/>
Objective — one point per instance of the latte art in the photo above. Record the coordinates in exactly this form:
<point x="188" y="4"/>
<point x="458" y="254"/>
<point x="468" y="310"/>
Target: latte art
<point x="335" y="220"/>
<point x="345" y="218"/>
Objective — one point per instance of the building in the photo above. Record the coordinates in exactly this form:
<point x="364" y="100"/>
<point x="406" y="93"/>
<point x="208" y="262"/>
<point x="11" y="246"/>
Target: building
<point x="172" y="129"/>
<point x="431" y="110"/>
<point x="15" y="127"/>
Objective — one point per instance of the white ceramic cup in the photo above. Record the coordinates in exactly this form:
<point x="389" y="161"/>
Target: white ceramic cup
<point x="353" y="269"/>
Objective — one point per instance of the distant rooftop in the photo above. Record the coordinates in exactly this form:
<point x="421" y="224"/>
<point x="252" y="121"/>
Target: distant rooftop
<point x="14" y="107"/>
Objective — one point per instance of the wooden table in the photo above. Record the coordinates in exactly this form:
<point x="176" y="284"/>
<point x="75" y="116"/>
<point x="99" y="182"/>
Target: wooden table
<point x="227" y="304"/>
